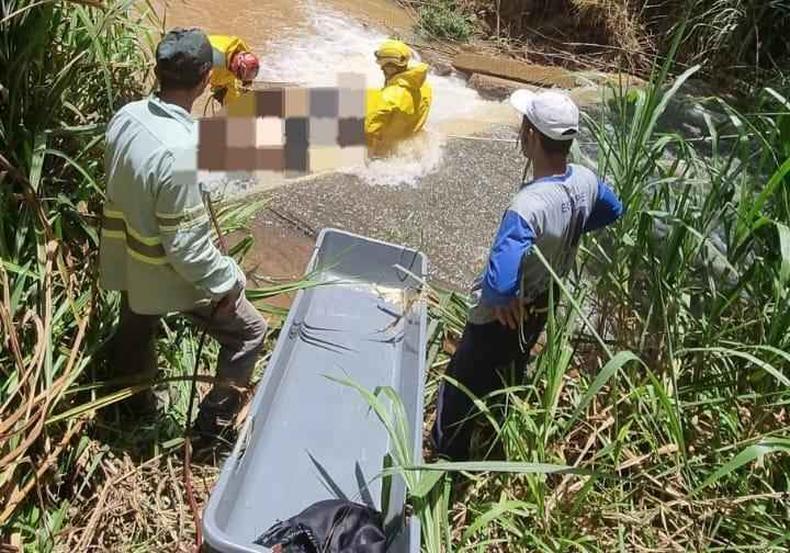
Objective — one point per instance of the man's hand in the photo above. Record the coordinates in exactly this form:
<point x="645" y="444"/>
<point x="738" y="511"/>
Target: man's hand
<point x="227" y="303"/>
<point x="219" y="94"/>
<point x="509" y="315"/>
<point x="376" y="146"/>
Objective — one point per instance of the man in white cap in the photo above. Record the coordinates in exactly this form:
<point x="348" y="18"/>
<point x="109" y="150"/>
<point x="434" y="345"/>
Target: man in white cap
<point x="510" y="299"/>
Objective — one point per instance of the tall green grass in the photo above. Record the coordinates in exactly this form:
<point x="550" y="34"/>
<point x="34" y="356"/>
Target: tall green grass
<point x="65" y="68"/>
<point x="444" y="19"/>
<point x="663" y="384"/>
<point x="665" y="374"/>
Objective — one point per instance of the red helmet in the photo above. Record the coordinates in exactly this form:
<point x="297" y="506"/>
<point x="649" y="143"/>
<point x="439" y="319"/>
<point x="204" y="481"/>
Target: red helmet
<point x="245" y="66"/>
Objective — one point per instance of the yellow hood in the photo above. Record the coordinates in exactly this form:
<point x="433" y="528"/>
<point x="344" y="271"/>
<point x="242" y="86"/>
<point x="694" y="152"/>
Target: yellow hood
<point x="413" y="77"/>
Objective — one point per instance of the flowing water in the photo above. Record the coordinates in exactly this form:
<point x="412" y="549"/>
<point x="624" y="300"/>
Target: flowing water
<point x="309" y="42"/>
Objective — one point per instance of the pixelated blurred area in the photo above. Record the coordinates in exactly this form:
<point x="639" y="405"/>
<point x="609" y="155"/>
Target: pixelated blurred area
<point x="283" y="132"/>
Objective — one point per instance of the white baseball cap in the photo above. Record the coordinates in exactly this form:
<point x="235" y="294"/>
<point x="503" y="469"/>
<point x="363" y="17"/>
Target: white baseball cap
<point x="553" y="113"/>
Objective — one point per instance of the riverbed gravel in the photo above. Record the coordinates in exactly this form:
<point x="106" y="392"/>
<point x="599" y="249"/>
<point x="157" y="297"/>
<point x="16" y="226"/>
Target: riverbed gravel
<point x="450" y="214"/>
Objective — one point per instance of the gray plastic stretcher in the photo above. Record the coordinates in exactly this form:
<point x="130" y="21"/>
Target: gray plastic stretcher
<point x="309" y="438"/>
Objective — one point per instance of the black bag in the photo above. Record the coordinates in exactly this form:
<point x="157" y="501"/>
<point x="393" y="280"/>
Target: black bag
<point x="332" y="526"/>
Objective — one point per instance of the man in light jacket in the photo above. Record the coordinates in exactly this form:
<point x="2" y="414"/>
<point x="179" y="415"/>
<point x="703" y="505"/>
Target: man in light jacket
<point x="156" y="245"/>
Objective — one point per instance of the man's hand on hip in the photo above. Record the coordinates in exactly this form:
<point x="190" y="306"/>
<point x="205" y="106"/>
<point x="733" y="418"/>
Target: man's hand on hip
<point x="227" y="303"/>
<point x="509" y="315"/>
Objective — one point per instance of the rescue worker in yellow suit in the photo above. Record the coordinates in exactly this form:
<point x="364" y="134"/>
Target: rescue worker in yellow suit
<point x="400" y="108"/>
<point x="234" y="68"/>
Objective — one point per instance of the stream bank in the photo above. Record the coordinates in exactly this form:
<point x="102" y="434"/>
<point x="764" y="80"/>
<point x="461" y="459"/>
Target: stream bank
<point x="445" y="191"/>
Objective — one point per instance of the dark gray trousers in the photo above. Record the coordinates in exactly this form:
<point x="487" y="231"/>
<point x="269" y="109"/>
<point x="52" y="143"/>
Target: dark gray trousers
<point x="239" y="332"/>
<point x="479" y="364"/>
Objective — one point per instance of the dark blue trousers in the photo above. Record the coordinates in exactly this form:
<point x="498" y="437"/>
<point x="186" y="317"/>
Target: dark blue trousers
<point x="481" y="363"/>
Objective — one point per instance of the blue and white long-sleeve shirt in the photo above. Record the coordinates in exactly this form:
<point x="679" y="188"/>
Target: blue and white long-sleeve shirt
<point x="552" y="213"/>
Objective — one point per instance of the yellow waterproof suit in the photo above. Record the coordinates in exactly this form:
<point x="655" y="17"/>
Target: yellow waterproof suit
<point x="398" y="110"/>
<point x="224" y="84"/>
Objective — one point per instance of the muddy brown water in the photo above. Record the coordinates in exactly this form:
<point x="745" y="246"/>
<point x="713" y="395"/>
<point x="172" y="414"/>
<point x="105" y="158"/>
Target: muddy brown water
<point x="261" y="21"/>
<point x="281" y="253"/>
<point x="309" y="42"/>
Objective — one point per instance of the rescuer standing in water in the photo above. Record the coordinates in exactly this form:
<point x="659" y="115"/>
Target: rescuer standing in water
<point x="400" y="108"/>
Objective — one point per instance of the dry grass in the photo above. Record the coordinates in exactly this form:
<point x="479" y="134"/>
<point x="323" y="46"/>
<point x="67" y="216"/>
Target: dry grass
<point x="136" y="505"/>
<point x="620" y="23"/>
<point x="573" y="33"/>
<point x="730" y="37"/>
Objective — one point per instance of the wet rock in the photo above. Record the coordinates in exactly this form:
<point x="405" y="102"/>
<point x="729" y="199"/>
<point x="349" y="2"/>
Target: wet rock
<point x="441" y="68"/>
<point x="585" y="96"/>
<point x="439" y="63"/>
<point x="494" y="88"/>
<point x="514" y="70"/>
<point x="598" y="78"/>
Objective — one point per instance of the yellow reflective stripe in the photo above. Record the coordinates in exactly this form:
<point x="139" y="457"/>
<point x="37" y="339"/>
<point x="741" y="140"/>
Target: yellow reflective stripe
<point x="202" y="220"/>
<point x="150" y="253"/>
<point x="145" y="258"/>
<point x="113" y="213"/>
<point x="116" y="221"/>
<point x="117" y="235"/>
<point x="152" y="244"/>
<point x="146" y="249"/>
<point x="111" y="210"/>
<point x="174" y="221"/>
<point x="186" y="213"/>
<point x="147" y="240"/>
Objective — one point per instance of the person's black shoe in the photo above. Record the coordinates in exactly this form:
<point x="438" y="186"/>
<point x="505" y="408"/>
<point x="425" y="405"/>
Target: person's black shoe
<point x="216" y="418"/>
<point x="149" y="403"/>
<point x="142" y="404"/>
